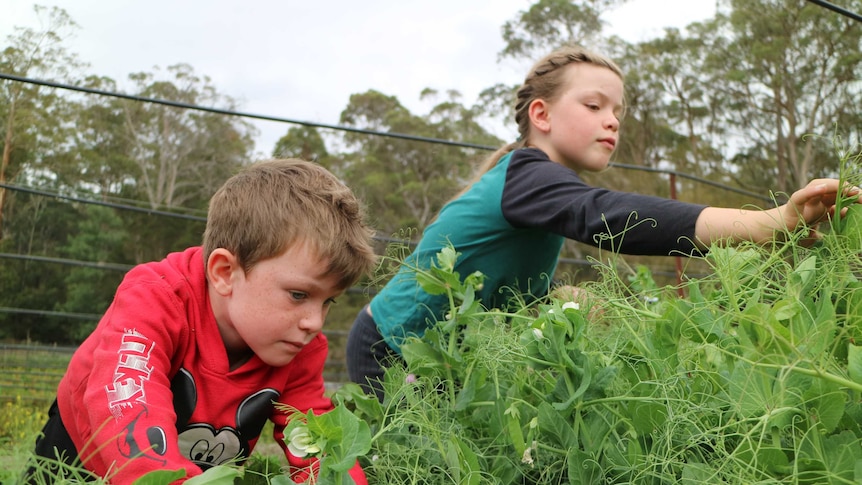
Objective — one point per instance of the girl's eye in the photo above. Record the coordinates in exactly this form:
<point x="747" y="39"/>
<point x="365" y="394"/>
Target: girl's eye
<point x="593" y="107"/>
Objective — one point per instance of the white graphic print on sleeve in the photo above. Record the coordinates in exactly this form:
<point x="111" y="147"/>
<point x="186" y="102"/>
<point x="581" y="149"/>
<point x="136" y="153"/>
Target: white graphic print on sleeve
<point x="132" y="371"/>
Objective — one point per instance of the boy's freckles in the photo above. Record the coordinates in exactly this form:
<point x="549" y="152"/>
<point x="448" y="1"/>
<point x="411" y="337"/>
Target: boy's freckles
<point x="280" y="305"/>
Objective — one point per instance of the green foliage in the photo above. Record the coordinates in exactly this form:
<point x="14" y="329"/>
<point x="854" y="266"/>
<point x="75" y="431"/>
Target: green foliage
<point x="220" y="475"/>
<point x="181" y="156"/>
<point x="336" y="438"/>
<point x="405" y="182"/>
<point x="550" y="23"/>
<point x="31" y="117"/>
<point x="19" y="418"/>
<point x="797" y="56"/>
<point x="754" y="376"/>
<point x="100" y="236"/>
<point x="303" y="142"/>
<point x="39" y="228"/>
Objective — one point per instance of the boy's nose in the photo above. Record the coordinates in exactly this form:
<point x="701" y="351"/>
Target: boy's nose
<point x="312" y="321"/>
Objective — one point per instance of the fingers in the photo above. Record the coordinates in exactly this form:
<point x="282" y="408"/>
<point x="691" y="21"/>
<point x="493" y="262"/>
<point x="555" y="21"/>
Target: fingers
<point x="825" y="191"/>
<point x="815" y="192"/>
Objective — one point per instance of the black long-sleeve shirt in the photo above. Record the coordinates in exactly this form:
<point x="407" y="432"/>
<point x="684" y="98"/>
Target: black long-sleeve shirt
<point x="511" y="224"/>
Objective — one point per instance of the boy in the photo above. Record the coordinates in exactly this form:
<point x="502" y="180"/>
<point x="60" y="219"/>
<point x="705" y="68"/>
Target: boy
<point x="183" y="369"/>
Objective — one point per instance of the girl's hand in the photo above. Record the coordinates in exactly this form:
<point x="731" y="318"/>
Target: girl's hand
<point x="807" y="207"/>
<point x="814" y="202"/>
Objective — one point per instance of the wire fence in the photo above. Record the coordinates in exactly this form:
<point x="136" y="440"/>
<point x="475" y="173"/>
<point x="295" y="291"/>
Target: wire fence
<point x="30" y="372"/>
<point x="33" y="371"/>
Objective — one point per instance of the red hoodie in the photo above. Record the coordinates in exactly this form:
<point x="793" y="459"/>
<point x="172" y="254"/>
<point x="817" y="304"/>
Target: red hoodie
<point x="151" y="389"/>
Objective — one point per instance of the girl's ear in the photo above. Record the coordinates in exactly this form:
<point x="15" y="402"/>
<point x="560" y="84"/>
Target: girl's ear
<point x="221" y="267"/>
<point x="540" y="116"/>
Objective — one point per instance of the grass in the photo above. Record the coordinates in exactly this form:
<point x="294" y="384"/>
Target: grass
<point x="31" y="372"/>
<point x="20" y="423"/>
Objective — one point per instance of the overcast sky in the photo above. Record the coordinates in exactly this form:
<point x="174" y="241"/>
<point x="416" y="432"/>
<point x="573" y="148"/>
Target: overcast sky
<point x="302" y="59"/>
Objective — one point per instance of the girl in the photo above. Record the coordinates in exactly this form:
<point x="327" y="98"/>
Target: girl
<point x="511" y="221"/>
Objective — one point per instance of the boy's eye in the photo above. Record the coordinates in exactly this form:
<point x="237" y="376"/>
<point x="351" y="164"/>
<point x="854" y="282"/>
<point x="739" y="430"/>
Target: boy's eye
<point x="330" y="302"/>
<point x="298" y="295"/>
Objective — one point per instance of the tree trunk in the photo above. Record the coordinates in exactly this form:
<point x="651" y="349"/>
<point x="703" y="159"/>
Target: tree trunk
<point x="7" y="158"/>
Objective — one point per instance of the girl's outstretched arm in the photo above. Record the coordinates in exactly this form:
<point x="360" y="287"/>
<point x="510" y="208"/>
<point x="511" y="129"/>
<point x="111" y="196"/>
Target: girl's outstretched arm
<point x="807" y="207"/>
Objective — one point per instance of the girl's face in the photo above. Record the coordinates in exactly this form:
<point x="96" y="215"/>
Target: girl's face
<point x="278" y="307"/>
<point x="580" y="129"/>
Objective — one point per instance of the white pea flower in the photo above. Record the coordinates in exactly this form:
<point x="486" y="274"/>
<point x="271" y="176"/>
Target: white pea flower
<point x="571" y="305"/>
<point x="538" y="334"/>
<point x="300" y="443"/>
<point x="527" y="458"/>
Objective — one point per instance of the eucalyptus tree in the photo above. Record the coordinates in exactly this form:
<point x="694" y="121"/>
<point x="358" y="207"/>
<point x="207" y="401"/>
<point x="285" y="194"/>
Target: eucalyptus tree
<point x="182" y="155"/>
<point x="670" y="108"/>
<point x="789" y="71"/>
<point x="736" y="98"/>
<point x="35" y="128"/>
<point x="405" y="182"/>
<point x="98" y="160"/>
<point x="32" y="115"/>
<point x="547" y="24"/>
<point x="152" y="155"/>
<point x="303" y="142"/>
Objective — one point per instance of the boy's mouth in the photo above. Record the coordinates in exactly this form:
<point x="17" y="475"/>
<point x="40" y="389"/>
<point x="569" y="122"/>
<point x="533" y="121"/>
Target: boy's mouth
<point x="293" y="347"/>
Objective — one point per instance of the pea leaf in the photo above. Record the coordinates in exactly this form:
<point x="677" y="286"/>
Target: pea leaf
<point x="854" y="363"/>
<point x="160" y="477"/>
<point x="348" y="438"/>
<point x="217" y="475"/>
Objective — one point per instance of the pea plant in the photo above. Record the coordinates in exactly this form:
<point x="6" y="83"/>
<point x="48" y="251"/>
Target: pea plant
<point x="754" y="376"/>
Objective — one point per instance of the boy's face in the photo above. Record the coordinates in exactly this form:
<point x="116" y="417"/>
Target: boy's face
<point x="278" y="307"/>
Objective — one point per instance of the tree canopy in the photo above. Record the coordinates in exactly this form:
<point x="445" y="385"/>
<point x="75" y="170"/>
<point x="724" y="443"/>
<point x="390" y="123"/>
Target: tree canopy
<point x="759" y="98"/>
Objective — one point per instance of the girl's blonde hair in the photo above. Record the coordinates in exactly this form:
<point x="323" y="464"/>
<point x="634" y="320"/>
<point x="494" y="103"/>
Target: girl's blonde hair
<point x="269" y="206"/>
<point x="546" y="80"/>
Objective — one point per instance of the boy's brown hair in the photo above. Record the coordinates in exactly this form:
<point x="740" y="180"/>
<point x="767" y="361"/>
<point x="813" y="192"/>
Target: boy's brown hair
<point x="268" y="206"/>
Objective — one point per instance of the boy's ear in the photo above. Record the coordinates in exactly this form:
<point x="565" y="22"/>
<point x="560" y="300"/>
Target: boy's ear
<point x="221" y="267"/>
<point x="540" y="117"/>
